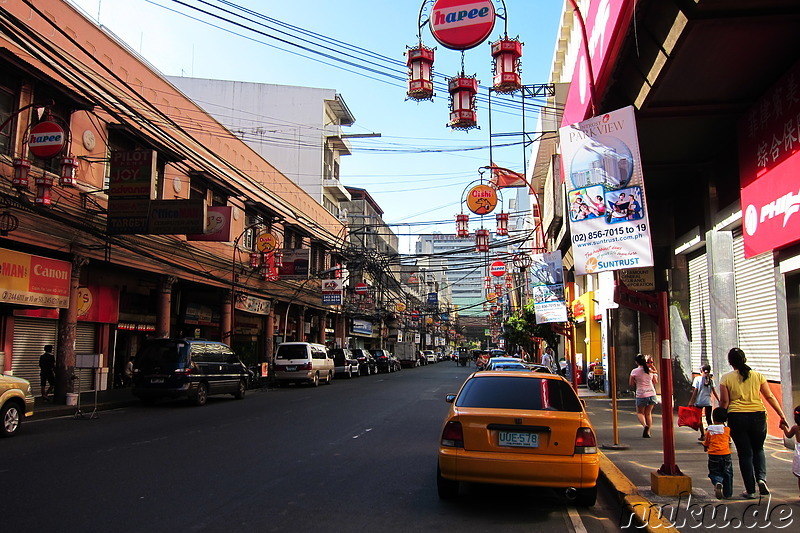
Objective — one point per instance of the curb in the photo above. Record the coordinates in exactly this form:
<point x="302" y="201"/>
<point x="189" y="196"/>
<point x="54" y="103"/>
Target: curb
<point x="628" y="495"/>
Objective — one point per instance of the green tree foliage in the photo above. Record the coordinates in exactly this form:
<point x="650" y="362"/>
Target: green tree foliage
<point x="520" y="329"/>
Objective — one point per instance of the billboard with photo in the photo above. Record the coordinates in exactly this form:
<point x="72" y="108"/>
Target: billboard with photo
<point x="607" y="209"/>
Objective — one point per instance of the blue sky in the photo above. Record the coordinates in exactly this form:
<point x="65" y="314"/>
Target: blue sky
<point x="418" y="169"/>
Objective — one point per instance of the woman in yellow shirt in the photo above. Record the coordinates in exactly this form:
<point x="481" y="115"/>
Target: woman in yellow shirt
<point x="740" y="393"/>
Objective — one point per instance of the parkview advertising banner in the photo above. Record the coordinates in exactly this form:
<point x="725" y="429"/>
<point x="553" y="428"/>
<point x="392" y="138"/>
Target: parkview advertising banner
<point x="608" y="215"/>
<point x="547" y="287"/>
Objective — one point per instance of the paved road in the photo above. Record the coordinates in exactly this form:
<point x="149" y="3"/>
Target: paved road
<point x="358" y="455"/>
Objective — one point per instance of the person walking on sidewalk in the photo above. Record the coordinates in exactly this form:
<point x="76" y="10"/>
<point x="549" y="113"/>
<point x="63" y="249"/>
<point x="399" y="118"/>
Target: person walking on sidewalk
<point x="795" y="432"/>
<point x="644" y="379"/>
<point x="47" y="371"/>
<point x="717" y="444"/>
<point x="740" y="393"/>
<point x="702" y="391"/>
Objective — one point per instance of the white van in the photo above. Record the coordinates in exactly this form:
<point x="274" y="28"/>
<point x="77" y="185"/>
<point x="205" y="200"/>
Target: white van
<point x="303" y="362"/>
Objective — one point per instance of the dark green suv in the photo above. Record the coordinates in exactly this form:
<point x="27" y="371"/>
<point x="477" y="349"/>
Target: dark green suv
<point x="187" y="368"/>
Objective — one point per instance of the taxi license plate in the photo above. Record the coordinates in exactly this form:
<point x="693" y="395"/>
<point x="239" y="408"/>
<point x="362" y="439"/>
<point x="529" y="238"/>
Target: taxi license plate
<point x="291" y="368"/>
<point x="518" y="439"/>
<point x="157" y="380"/>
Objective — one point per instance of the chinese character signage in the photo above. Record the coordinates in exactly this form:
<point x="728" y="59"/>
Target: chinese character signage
<point x="547" y="287"/>
<point x="605" y="192"/>
<point x="769" y="167"/>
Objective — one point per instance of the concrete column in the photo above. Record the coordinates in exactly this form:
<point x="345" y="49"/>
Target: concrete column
<point x="323" y="321"/>
<point x="67" y="328"/>
<point x="164" y="306"/>
<point x="226" y="317"/>
<point x="269" y="334"/>
<point x="722" y="298"/>
<point x="300" y="321"/>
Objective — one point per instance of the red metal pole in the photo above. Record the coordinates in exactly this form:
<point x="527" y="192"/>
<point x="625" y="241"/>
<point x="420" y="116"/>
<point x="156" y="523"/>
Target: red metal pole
<point x="669" y="467"/>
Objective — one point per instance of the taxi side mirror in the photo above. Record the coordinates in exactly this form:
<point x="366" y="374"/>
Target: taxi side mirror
<point x="450" y="398"/>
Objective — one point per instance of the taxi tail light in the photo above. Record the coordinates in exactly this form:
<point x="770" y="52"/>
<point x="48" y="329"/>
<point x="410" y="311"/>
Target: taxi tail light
<point x="306" y="366"/>
<point x="188" y="370"/>
<point x="585" y="441"/>
<point x="453" y="435"/>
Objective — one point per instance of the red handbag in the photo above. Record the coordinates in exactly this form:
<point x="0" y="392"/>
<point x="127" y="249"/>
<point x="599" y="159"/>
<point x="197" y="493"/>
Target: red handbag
<point x="690" y="417"/>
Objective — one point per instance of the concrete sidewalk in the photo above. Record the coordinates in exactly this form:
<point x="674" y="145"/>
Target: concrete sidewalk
<point x="628" y="472"/>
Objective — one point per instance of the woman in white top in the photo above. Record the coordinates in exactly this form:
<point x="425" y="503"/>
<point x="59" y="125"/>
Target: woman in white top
<point x="644" y="379"/>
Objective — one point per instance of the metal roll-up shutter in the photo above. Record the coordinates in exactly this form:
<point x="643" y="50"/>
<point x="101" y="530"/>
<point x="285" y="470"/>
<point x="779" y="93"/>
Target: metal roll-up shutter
<point x="85" y="336"/>
<point x="30" y="337"/>
<point x="700" y="319"/>
<point x="756" y="309"/>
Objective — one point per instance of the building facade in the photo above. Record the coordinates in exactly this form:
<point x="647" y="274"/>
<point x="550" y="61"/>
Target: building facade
<point x="124" y="220"/>
<point x="717" y="144"/>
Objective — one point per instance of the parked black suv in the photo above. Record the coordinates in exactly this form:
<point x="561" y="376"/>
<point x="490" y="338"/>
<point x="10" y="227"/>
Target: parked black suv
<point x="386" y="361"/>
<point x="366" y="363"/>
<point x="187" y="368"/>
<point x="345" y="364"/>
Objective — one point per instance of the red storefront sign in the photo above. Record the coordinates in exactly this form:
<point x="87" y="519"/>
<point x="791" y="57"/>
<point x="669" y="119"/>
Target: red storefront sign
<point x="769" y="167"/>
<point x="461" y="24"/>
<point x="607" y="23"/>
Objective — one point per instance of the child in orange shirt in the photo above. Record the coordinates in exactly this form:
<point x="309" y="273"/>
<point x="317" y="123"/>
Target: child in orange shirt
<point x="717" y="444"/>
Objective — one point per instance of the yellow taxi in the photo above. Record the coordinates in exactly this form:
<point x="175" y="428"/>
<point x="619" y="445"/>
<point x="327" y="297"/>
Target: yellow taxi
<point x="518" y="428"/>
<point x="16" y="404"/>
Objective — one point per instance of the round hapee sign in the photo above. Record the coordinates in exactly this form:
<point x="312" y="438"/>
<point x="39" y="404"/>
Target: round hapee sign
<point x="46" y="139"/>
<point x="461" y="24"/>
<point x="362" y="288"/>
<point x="497" y="268"/>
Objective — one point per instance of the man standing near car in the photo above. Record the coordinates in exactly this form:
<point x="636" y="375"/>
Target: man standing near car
<point x="47" y="371"/>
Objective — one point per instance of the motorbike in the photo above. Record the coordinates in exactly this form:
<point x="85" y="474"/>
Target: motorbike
<point x="596" y="381"/>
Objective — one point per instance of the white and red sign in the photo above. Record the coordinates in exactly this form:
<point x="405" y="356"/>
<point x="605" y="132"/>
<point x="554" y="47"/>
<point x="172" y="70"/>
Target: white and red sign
<point x="461" y="24"/>
<point x="46" y="139"/>
<point x="769" y="168"/>
<point x="362" y="288"/>
<point x="497" y="268"/>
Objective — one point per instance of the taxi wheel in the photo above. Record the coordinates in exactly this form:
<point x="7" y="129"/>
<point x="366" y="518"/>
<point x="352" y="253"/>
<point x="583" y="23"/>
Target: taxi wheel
<point x="315" y="382"/>
<point x="11" y="418"/>
<point x="586" y="497"/>
<point x="447" y="488"/>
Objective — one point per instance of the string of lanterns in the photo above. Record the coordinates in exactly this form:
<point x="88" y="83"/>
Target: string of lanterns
<point x="461" y="25"/>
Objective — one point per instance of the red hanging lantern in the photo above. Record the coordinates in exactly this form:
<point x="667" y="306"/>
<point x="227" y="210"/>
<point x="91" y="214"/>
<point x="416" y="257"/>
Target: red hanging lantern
<point x="43" y="185"/>
<point x="462" y="225"/>
<point x="506" y="54"/>
<point x="487" y="283"/>
<point x="42" y="195"/>
<point x="482" y="240"/>
<point x="502" y="224"/>
<point x="462" y="102"/>
<point x="277" y="257"/>
<point x="255" y="259"/>
<point x="68" y="167"/>
<point x="21" y="169"/>
<point x="420" y="73"/>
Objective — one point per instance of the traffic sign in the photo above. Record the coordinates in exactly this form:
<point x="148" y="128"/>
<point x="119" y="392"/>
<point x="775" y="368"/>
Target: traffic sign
<point x="362" y="288"/>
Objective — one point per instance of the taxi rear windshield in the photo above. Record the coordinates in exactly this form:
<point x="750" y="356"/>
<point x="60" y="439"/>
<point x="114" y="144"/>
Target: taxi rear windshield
<point x="509" y="392"/>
